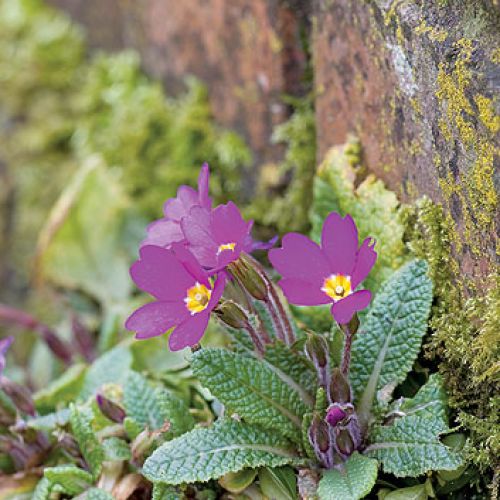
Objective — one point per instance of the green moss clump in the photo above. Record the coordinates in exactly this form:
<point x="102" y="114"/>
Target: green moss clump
<point x="287" y="210"/>
<point x="466" y="334"/>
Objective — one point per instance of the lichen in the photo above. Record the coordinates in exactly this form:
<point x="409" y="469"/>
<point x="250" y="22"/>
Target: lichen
<point x="465" y="335"/>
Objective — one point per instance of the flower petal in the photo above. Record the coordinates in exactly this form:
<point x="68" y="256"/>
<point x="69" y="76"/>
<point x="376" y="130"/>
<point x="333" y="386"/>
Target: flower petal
<point x="204" y="186"/>
<point x="163" y="233"/>
<point x="156" y="318"/>
<point x="190" y="263"/>
<point x="178" y="207"/>
<point x="339" y="241"/>
<point x="344" y="309"/>
<point x="365" y="260"/>
<point x="228" y="226"/>
<point x="218" y="290"/>
<point x="161" y="274"/>
<point x="303" y="293"/>
<point x="300" y="258"/>
<point x="190" y="332"/>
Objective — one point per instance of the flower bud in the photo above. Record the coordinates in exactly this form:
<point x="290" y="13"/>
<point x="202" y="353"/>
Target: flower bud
<point x="318" y="435"/>
<point x="4" y="347"/>
<point x="250" y="277"/>
<point x="83" y="339"/>
<point x="58" y="347"/>
<point x="317" y="350"/>
<point x="339" y="390"/>
<point x="344" y="442"/>
<point x="20" y="396"/>
<point x="110" y="409"/>
<point x="232" y="314"/>
<point x="334" y="415"/>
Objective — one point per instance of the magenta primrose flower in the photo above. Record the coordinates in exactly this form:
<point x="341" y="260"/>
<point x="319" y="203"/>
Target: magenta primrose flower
<point x="217" y="238"/>
<point x="185" y="295"/>
<point x="315" y="275"/>
<point x="163" y="232"/>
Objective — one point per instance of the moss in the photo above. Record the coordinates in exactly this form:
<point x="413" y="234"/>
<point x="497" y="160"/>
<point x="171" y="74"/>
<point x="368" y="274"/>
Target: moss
<point x="465" y="335"/>
<point x="288" y="210"/>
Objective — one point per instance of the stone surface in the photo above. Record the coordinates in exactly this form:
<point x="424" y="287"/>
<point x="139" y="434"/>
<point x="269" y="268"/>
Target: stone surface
<point x="248" y="52"/>
<point x="418" y="84"/>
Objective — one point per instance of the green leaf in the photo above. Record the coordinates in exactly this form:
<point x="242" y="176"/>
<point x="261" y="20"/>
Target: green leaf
<point x="92" y="451"/>
<point x="42" y="490"/>
<point x="81" y="244"/>
<point x="72" y="479"/>
<point x="389" y="338"/>
<point x="251" y="389"/>
<point x="417" y="492"/>
<point x="228" y="446"/>
<point x="62" y="390"/>
<point x="430" y="401"/>
<point x="236" y="482"/>
<point x="49" y="422"/>
<point x="98" y="494"/>
<point x="116" y="449"/>
<point x="152" y="355"/>
<point x="152" y="407"/>
<point x="163" y="491"/>
<point x="278" y="482"/>
<point x="132" y="428"/>
<point x="354" y="482"/>
<point x="111" y="367"/>
<point x="291" y="367"/>
<point x="411" y="447"/>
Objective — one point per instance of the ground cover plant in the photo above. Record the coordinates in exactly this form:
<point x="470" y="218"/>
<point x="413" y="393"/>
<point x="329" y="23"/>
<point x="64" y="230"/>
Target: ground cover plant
<point x="295" y="367"/>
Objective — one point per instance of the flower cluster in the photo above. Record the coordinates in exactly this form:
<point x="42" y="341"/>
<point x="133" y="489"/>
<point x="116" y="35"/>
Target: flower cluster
<point x="189" y="255"/>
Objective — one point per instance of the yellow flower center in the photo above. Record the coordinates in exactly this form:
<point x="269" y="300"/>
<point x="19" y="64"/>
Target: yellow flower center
<point x="337" y="286"/>
<point x="226" y="246"/>
<point x="197" y="299"/>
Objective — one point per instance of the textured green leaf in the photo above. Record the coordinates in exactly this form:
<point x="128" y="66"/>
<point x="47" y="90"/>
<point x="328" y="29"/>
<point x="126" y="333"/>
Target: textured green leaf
<point x="42" y="490"/>
<point x="51" y="421"/>
<point x="228" y="446"/>
<point x="278" y="482"/>
<point x="98" y="494"/>
<point x="62" y="390"/>
<point x="389" y="338"/>
<point x="411" y="447"/>
<point x="71" y="479"/>
<point x="430" y="401"/>
<point x="111" y="367"/>
<point x="152" y="407"/>
<point x="353" y="483"/>
<point x="251" y="389"/>
<point x="81" y="242"/>
<point x="92" y="451"/>
<point x="116" y="449"/>
<point x="291" y="367"/>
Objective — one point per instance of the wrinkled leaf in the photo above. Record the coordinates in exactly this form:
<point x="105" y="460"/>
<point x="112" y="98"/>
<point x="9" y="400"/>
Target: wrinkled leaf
<point x="353" y="483"/>
<point x="209" y="453"/>
<point x="390" y="336"/>
<point x="251" y="389"/>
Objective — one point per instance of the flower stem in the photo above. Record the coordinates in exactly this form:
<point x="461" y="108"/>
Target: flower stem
<point x="259" y="346"/>
<point x="346" y="356"/>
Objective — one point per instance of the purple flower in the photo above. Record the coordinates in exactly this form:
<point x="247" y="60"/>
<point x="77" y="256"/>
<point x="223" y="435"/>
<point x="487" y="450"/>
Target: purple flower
<point x="165" y="231"/>
<point x="4" y="347"/>
<point x="218" y="237"/>
<point x="184" y="295"/>
<point x="315" y="275"/>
